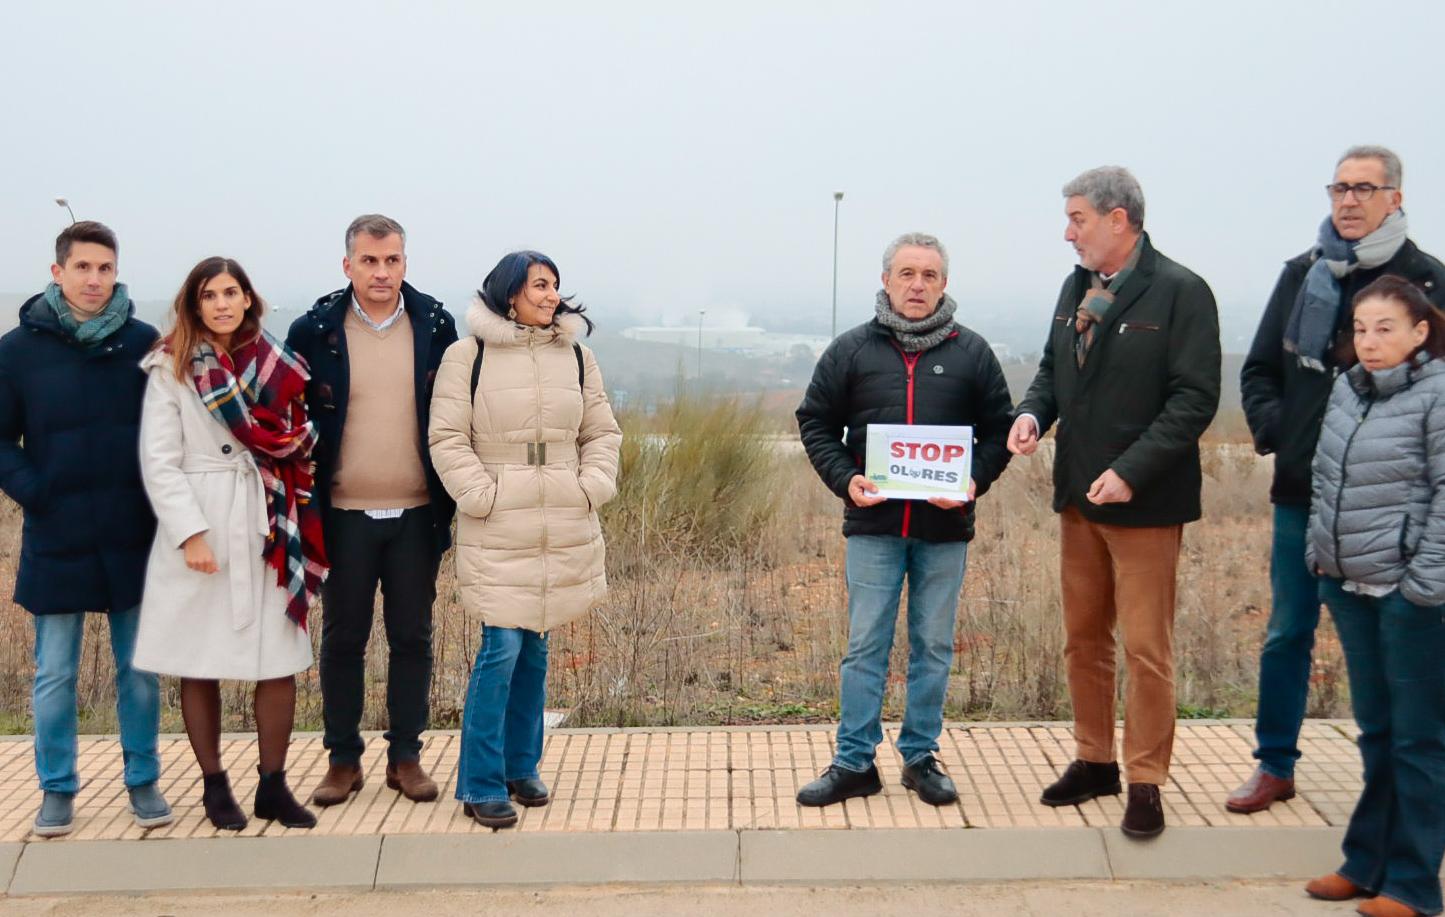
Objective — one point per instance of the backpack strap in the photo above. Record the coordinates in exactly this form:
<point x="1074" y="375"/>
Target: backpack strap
<point x="477" y="368"/>
<point x="481" y="349"/>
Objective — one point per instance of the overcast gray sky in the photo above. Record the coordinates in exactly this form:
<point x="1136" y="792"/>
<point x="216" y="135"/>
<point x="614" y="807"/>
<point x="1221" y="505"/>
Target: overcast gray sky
<point x="675" y="156"/>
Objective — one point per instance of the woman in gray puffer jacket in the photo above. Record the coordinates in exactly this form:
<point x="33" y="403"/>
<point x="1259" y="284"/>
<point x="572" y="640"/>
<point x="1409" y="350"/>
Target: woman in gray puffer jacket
<point x="1377" y="539"/>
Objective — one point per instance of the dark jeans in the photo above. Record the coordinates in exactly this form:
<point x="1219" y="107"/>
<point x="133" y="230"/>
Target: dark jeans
<point x="400" y="555"/>
<point x="1284" y="663"/>
<point x="1394" y="652"/>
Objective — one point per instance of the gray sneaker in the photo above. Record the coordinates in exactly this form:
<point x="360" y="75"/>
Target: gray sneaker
<point x="149" y="807"/>
<point x="56" y="815"/>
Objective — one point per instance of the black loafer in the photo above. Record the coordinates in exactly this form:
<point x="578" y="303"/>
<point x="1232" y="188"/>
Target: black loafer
<point x="929" y="781"/>
<point x="529" y="791"/>
<point x="1082" y="781"/>
<point x="491" y="814"/>
<point x="836" y="785"/>
<point x="1144" y="816"/>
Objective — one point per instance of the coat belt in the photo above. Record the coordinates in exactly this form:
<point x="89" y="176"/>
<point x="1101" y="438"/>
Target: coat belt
<point x="247" y="512"/>
<point x="539" y="454"/>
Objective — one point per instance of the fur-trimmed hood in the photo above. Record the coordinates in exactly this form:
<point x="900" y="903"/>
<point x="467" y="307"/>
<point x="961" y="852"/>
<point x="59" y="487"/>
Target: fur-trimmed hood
<point x="494" y="329"/>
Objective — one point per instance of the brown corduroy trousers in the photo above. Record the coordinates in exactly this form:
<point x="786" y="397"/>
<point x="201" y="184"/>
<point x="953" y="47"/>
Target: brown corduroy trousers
<point x="1114" y="573"/>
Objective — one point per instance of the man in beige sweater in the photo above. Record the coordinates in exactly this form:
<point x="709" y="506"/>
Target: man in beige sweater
<point x="373" y="349"/>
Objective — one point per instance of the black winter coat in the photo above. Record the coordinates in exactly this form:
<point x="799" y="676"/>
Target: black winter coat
<point x="1285" y="403"/>
<point x="319" y="337"/>
<point x="70" y="456"/>
<point x="864" y="377"/>
<point x="1147" y="392"/>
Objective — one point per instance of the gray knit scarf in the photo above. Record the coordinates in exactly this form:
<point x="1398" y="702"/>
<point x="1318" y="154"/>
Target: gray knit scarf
<point x="1311" y="327"/>
<point x="914" y="336"/>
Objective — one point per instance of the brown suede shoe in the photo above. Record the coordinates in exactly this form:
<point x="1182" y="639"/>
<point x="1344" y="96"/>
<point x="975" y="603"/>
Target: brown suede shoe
<point x="1333" y="887"/>
<point x="411" y="780"/>
<point x="1144" y="815"/>
<point x="1385" y="906"/>
<point x="336" y="787"/>
<point x="1259" y="792"/>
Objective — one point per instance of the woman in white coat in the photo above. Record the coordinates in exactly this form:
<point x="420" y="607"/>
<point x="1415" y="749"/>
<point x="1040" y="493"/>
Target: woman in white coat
<point x="238" y="558"/>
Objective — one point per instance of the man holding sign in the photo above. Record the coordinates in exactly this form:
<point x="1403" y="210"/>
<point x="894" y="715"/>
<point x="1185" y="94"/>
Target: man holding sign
<point x="1130" y="372"/>
<point x="906" y="420"/>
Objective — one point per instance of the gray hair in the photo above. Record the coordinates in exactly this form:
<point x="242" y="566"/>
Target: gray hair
<point x="1108" y="188"/>
<point x="918" y="240"/>
<point x="1394" y="172"/>
<point x="374" y="225"/>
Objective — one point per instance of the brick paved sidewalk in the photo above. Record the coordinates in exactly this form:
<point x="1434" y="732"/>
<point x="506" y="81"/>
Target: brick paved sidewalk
<point x="640" y="780"/>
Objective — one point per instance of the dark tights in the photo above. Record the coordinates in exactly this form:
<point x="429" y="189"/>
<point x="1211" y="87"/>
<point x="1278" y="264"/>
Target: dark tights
<point x="275" y="708"/>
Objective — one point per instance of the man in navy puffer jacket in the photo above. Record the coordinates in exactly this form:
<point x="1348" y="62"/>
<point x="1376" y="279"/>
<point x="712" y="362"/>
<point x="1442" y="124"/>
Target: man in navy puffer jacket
<point x="70" y="407"/>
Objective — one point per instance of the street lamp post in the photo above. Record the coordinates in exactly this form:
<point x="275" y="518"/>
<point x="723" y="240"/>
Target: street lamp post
<point x="700" y="314"/>
<point x="837" y="200"/>
<point x="62" y="202"/>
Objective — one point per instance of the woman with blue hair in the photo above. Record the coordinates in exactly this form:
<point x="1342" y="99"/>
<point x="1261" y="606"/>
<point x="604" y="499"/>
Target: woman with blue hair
<point x="523" y="437"/>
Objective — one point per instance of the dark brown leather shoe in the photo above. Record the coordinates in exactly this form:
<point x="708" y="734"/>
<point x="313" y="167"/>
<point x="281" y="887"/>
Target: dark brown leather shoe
<point x="1259" y="792"/>
<point x="1333" y="887"/>
<point x="1144" y="816"/>
<point x="336" y="787"/>
<point x="411" y="780"/>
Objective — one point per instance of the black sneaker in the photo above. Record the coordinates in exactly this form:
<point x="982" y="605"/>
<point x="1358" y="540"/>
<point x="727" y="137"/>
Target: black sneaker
<point x="1144" y="816"/>
<point x="1082" y="781"/>
<point x="836" y="784"/>
<point x="927" y="779"/>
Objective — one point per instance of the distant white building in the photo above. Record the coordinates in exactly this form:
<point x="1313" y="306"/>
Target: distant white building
<point x="747" y="340"/>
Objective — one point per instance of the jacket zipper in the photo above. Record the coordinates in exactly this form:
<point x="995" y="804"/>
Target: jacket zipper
<point x="541" y="477"/>
<point x="1340" y="491"/>
<point x="909" y="363"/>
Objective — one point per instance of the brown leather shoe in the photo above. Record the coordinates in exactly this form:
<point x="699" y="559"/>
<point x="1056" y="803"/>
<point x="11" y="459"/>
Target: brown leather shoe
<point x="411" y="780"/>
<point x="1259" y="792"/>
<point x="1333" y="887"/>
<point x="1385" y="906"/>
<point x="336" y="787"/>
<point x="1144" y="815"/>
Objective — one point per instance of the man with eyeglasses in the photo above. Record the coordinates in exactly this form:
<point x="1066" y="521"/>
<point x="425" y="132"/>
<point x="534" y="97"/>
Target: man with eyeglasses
<point x="1285" y="384"/>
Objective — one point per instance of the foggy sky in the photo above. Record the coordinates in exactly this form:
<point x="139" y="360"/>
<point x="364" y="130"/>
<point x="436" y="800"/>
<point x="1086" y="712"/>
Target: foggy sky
<point x="673" y="158"/>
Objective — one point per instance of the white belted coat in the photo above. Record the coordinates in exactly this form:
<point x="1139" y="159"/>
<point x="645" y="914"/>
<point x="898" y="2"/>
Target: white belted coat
<point x="230" y="624"/>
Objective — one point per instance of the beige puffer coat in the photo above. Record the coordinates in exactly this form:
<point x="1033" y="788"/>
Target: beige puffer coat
<point x="529" y="545"/>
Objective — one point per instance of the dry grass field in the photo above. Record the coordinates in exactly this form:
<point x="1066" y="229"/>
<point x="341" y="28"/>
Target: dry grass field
<point x="728" y="605"/>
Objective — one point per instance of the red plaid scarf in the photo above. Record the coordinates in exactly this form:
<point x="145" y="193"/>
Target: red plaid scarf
<point x="257" y="392"/>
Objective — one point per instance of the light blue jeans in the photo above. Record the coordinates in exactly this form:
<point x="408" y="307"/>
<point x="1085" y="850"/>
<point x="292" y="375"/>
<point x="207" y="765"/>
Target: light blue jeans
<point x="137" y="701"/>
<point x="876" y="568"/>
<point x="502" y="721"/>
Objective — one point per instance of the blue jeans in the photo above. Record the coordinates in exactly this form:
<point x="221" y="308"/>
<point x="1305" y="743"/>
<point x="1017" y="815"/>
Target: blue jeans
<point x="502" y="721"/>
<point x="1284" y="663"/>
<point x="1393" y="651"/>
<point x="877" y="565"/>
<point x="137" y="701"/>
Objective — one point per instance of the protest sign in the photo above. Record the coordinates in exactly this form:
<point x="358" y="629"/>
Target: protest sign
<point x="915" y="462"/>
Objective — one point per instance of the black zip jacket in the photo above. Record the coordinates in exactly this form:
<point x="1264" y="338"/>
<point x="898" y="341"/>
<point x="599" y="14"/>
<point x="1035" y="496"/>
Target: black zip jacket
<point x="1285" y="403"/>
<point x="865" y="377"/>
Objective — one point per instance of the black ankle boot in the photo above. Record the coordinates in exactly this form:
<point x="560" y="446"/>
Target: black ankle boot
<point x="221" y="807"/>
<point x="275" y="802"/>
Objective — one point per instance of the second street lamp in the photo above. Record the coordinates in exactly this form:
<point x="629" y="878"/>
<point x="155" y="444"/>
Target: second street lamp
<point x="837" y="200"/>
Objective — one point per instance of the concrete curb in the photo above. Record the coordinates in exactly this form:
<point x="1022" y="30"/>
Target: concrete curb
<point x="920" y="855"/>
<point x="192" y="864"/>
<point x="509" y="858"/>
<point x="403" y="861"/>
